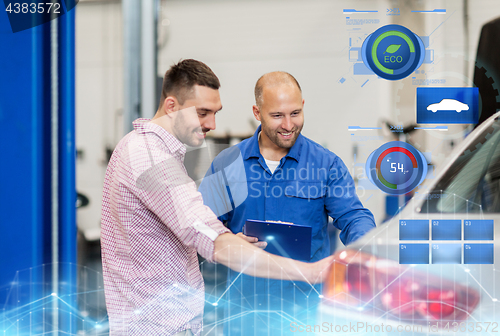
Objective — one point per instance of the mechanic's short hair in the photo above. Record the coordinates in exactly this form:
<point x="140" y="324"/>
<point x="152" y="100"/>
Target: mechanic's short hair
<point x="272" y="79"/>
<point x="180" y="79"/>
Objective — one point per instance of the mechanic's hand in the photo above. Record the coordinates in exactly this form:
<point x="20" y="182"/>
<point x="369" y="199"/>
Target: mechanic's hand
<point x="253" y="240"/>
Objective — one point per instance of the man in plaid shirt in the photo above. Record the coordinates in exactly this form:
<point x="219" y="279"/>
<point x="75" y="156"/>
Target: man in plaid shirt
<point x="154" y="222"/>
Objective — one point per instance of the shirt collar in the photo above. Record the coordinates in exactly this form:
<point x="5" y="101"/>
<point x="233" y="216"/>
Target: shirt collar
<point x="253" y="149"/>
<point x="143" y="126"/>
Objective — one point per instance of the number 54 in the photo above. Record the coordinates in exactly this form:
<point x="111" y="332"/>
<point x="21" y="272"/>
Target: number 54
<point x="393" y="166"/>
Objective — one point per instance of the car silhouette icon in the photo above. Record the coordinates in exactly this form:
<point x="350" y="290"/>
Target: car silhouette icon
<point x="448" y="105"/>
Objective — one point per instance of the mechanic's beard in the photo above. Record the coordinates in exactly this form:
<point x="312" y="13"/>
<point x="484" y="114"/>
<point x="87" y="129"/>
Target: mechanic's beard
<point x="274" y="137"/>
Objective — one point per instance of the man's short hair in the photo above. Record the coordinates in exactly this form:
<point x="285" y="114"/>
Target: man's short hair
<point x="181" y="77"/>
<point x="272" y="79"/>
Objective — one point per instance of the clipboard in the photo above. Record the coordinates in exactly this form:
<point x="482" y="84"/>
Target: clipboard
<point x="284" y="239"/>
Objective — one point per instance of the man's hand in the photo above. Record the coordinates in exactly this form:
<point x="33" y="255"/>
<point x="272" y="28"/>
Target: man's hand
<point x="317" y="271"/>
<point x="253" y="240"/>
<point x="241" y="254"/>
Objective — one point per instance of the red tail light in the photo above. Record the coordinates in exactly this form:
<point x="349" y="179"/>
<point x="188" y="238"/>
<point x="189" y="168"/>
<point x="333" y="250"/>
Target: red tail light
<point x="361" y="281"/>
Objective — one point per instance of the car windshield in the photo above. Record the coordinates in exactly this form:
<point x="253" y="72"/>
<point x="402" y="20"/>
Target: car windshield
<point x="472" y="184"/>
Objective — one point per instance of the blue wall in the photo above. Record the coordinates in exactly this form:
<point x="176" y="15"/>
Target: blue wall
<point x="25" y="170"/>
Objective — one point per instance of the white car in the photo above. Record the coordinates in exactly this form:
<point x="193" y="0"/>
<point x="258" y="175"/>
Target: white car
<point x="448" y="105"/>
<point x="368" y="289"/>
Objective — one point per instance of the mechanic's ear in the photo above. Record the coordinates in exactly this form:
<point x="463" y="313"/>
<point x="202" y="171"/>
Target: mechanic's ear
<point x="256" y="112"/>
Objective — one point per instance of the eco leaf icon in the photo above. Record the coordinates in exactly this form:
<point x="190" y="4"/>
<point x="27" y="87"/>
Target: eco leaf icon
<point x="392" y="48"/>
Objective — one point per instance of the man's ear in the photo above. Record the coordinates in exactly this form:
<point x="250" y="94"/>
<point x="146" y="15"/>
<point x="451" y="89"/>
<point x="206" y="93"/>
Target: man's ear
<point x="256" y="112"/>
<point x="169" y="105"/>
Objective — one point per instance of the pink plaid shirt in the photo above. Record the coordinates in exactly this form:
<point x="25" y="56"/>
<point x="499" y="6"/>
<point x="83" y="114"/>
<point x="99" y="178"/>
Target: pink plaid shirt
<point x="153" y="223"/>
